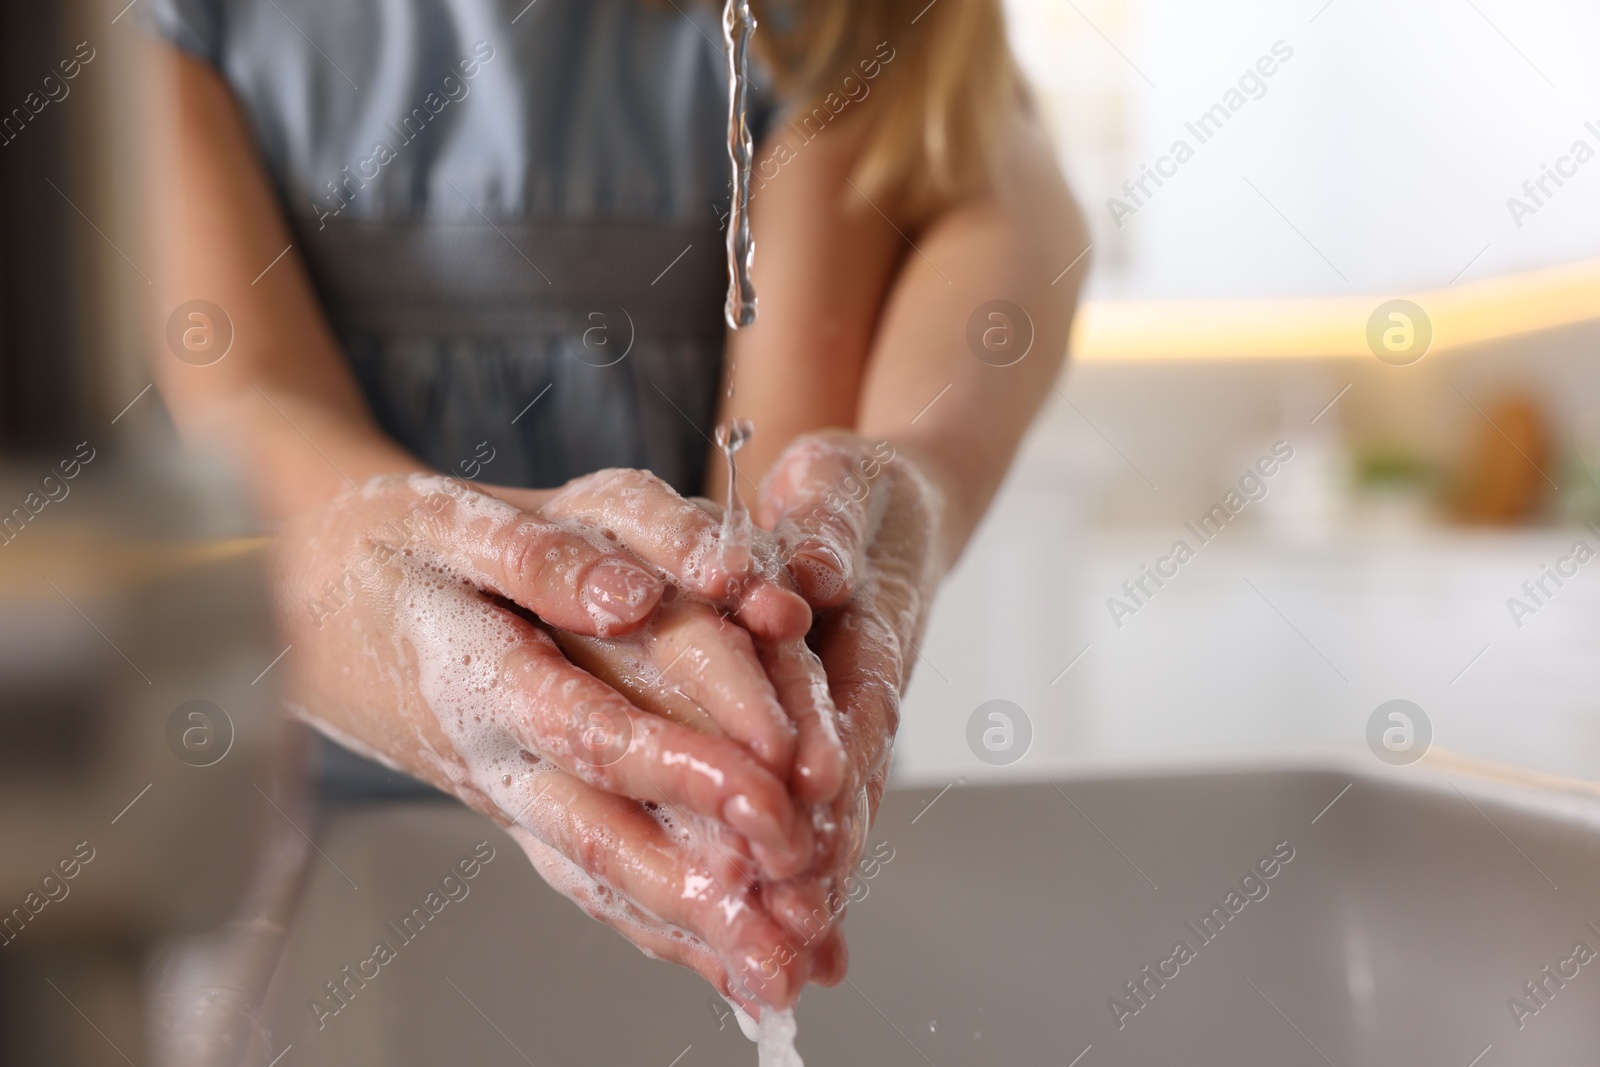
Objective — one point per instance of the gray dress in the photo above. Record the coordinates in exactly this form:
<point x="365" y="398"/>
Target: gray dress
<point x="512" y="215"/>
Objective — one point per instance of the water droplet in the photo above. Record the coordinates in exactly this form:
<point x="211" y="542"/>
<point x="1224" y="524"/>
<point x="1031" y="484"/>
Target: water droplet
<point x="733" y="550"/>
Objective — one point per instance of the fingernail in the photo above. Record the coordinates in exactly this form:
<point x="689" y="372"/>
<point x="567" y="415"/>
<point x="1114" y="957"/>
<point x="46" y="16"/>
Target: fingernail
<point x="621" y="591"/>
<point x="790" y="858"/>
<point x="762" y="827"/>
<point x="834" y="961"/>
<point x="820" y="571"/>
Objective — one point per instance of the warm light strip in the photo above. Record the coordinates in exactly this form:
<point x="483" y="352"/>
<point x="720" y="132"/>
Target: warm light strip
<point x="1323" y="327"/>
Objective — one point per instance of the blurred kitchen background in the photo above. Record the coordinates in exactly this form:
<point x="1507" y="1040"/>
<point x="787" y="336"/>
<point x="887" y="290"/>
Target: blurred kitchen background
<point x="1228" y="310"/>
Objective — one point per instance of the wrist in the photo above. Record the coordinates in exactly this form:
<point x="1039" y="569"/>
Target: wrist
<point x="933" y="483"/>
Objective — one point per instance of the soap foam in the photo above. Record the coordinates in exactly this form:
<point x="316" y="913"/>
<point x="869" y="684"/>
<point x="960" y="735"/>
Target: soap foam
<point x="460" y="642"/>
<point x="775" y="1039"/>
<point x="747" y="1026"/>
<point x="774" y="1035"/>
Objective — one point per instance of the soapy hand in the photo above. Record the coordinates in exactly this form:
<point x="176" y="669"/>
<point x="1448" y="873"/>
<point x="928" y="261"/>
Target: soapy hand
<point x="858" y="529"/>
<point x="421" y="609"/>
<point x="681" y="538"/>
<point x="860" y="526"/>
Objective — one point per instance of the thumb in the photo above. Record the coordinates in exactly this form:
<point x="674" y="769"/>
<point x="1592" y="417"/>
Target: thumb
<point x="819" y="497"/>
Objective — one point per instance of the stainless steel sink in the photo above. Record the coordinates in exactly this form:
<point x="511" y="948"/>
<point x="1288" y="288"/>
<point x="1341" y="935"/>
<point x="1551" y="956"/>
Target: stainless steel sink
<point x="1008" y="924"/>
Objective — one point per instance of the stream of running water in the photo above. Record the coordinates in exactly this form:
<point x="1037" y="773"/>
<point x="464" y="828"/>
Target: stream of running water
<point x="776" y="1032"/>
<point x="738" y="25"/>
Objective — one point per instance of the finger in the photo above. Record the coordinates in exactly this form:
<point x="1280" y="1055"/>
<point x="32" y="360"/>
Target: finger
<point x="869" y="693"/>
<point x="805" y="907"/>
<point x="628" y="665"/>
<point x="654" y="939"/>
<point x="590" y="731"/>
<point x="714" y="662"/>
<point x="815" y="915"/>
<point x="711" y="840"/>
<point x="550" y="569"/>
<point x="618" y="848"/>
<point x="802" y="687"/>
<point x="832" y="959"/>
<point x="818" y="489"/>
<point x="667" y="531"/>
<point x="861" y="653"/>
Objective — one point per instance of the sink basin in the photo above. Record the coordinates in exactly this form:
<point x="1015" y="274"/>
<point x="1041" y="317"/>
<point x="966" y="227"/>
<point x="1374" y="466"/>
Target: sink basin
<point x="1404" y="914"/>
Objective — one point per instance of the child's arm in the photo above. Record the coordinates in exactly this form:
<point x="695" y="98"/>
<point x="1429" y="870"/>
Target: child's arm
<point x="865" y="332"/>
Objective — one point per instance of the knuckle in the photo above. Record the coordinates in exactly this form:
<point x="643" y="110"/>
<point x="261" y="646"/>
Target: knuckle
<point x="599" y="488"/>
<point x="535" y="553"/>
<point x="523" y="553"/>
<point x="626" y="480"/>
<point x="890" y="701"/>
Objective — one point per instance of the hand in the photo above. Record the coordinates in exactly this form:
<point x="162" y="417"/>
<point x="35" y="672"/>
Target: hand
<point x="798" y="905"/>
<point x="861" y="527"/>
<point x="858" y="528"/>
<point x="680" y="537"/>
<point x="410" y="604"/>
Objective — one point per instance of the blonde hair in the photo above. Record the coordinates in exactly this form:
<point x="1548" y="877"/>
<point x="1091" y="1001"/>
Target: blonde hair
<point x="940" y="105"/>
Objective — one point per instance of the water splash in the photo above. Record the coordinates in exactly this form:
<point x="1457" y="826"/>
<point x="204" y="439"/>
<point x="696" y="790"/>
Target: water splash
<point x="733" y="551"/>
<point x="738" y="25"/>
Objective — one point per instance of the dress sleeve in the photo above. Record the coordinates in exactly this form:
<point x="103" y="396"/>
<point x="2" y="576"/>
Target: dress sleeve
<point x="192" y="25"/>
